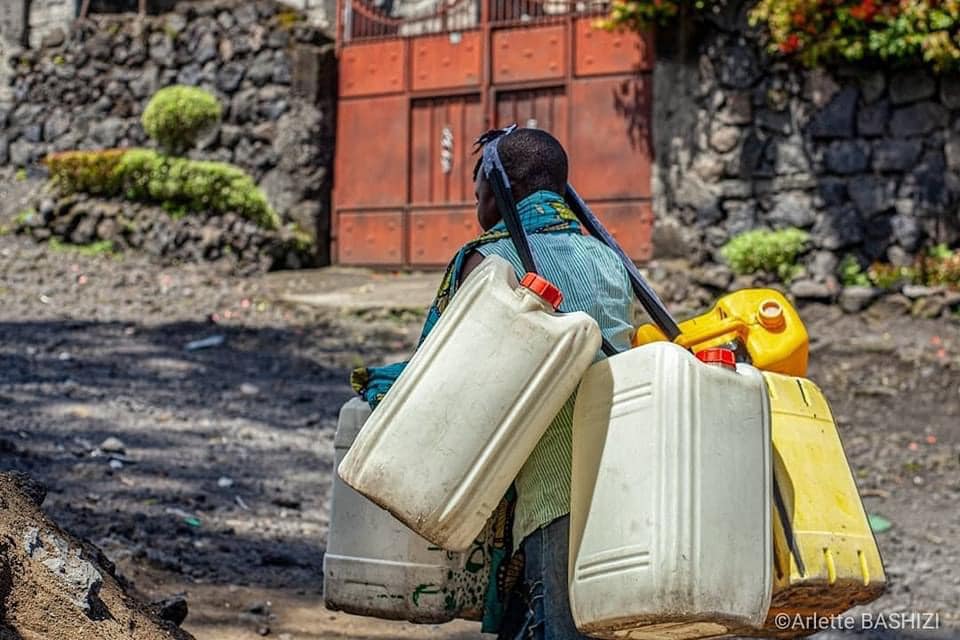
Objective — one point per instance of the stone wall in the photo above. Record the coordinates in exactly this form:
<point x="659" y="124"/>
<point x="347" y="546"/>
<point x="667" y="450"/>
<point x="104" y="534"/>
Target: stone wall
<point x="49" y="18"/>
<point x="90" y="90"/>
<point x="33" y="21"/>
<point x="320" y="13"/>
<point x="867" y="160"/>
<point x="236" y="244"/>
<point x="13" y="21"/>
<point x="13" y="30"/>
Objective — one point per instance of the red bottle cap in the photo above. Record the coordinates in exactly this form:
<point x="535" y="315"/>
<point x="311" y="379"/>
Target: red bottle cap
<point x="543" y="288"/>
<point x="718" y="355"/>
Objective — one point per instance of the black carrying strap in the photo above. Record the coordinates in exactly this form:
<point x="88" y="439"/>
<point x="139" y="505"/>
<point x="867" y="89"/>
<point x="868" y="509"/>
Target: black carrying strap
<point x="648" y="298"/>
<point x="500" y="185"/>
<point x="511" y="219"/>
<point x="788" y="534"/>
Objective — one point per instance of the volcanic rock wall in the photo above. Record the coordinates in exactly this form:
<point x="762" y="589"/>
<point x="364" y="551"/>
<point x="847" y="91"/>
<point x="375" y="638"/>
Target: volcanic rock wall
<point x="273" y="72"/>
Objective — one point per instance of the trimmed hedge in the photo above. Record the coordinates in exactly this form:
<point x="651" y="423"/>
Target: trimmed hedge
<point x="177" y="116"/>
<point x="93" y="172"/>
<point x="148" y="176"/>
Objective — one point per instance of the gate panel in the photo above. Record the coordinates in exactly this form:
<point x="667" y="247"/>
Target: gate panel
<point x="599" y="52"/>
<point x="531" y="53"/>
<point x="436" y="234"/>
<point x="446" y="62"/>
<point x="442" y="213"/>
<point x="371" y="166"/>
<point x="631" y="223"/>
<point x="371" y="237"/>
<point x="611" y="137"/>
<point x="441" y="149"/>
<point x="374" y="68"/>
<point x="419" y="83"/>
<point x="544" y="109"/>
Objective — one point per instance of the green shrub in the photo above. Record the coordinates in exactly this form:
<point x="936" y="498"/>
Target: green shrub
<point x="178" y="184"/>
<point x="940" y="251"/>
<point x="302" y="240"/>
<point x="638" y="15"/>
<point x="85" y="171"/>
<point x="941" y="267"/>
<point x="766" y="251"/>
<point x="176" y="117"/>
<point x="851" y="274"/>
<point x="889" y="277"/>
<point x="194" y="184"/>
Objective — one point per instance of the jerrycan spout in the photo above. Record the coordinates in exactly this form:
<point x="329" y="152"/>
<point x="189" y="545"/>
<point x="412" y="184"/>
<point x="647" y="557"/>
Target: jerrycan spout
<point x="720" y="357"/>
<point x="544" y="289"/>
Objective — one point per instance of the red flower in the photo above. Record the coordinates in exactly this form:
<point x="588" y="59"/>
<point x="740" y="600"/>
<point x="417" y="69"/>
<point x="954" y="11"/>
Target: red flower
<point x="865" y="11"/>
<point x="791" y="44"/>
<point x="798" y="19"/>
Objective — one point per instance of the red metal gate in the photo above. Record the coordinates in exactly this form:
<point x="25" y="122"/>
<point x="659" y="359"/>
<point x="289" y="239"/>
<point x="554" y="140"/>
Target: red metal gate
<point x="417" y="88"/>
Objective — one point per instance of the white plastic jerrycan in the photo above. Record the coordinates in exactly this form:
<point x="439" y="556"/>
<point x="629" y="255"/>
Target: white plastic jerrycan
<point x="444" y="444"/>
<point x="375" y="566"/>
<point x="670" y="531"/>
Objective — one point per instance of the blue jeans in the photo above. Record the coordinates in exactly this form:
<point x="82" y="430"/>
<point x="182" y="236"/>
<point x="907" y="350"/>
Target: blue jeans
<point x="545" y="574"/>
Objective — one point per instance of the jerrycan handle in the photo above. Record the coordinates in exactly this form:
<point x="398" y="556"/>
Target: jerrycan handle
<point x="648" y="298"/>
<point x="500" y="184"/>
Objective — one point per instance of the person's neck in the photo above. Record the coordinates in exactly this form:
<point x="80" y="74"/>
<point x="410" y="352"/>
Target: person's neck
<point x="543" y="196"/>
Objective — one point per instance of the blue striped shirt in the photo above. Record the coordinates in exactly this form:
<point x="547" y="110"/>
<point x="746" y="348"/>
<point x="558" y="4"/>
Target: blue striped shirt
<point x="593" y="280"/>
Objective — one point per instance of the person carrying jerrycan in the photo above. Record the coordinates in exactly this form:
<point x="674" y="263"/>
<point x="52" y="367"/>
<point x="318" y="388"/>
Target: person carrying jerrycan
<point x="528" y="592"/>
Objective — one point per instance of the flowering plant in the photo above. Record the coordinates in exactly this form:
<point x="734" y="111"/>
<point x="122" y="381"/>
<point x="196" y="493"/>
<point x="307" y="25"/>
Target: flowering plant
<point x="817" y="32"/>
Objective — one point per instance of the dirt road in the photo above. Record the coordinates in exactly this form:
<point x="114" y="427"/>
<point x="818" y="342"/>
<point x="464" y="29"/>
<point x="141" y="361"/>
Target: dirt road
<point x="207" y="471"/>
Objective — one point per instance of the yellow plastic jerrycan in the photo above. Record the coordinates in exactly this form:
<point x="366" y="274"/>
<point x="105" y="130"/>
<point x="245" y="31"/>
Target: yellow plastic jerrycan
<point x="826" y="557"/>
<point x="761" y="320"/>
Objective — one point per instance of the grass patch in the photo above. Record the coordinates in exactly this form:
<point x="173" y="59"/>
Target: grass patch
<point x="99" y="248"/>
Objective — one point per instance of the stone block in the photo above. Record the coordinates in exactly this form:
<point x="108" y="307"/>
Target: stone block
<point x="837" y="118"/>
<point x="910" y="86"/>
